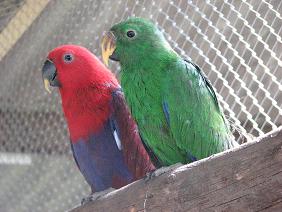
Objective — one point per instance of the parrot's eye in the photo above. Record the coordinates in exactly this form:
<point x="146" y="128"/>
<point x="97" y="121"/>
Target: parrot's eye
<point x="68" y="58"/>
<point x="130" y="33"/>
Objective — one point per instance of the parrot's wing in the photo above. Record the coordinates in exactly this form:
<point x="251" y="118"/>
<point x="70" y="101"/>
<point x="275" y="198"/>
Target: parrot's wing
<point x="207" y="82"/>
<point x="195" y="119"/>
<point x="136" y="154"/>
<point x="211" y="90"/>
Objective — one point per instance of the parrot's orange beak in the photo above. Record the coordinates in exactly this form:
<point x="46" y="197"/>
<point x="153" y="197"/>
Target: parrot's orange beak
<point x="108" y="46"/>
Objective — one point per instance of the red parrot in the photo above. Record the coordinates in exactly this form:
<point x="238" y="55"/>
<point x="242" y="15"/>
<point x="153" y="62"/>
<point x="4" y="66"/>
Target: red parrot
<point x="104" y="138"/>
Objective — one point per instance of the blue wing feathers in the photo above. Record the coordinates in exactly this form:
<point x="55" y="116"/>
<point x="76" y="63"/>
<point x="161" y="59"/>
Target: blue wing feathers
<point x="191" y="158"/>
<point x="166" y="112"/>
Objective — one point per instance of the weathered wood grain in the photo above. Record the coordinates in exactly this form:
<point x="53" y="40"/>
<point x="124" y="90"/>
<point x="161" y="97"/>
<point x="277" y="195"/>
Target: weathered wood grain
<point x="248" y="178"/>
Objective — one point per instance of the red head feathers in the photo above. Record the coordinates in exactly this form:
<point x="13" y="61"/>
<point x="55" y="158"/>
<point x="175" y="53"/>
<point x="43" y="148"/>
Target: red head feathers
<point x="85" y="85"/>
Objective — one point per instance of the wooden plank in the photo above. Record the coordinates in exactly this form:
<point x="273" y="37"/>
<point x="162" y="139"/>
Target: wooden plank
<point x="19" y="24"/>
<point x="248" y="178"/>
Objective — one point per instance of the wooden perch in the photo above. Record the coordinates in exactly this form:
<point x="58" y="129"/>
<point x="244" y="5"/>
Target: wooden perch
<point x="248" y="178"/>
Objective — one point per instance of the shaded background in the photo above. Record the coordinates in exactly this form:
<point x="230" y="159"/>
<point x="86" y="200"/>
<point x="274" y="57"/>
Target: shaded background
<point x="236" y="43"/>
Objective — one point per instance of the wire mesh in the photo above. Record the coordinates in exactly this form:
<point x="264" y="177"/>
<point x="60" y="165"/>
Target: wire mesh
<point x="237" y="44"/>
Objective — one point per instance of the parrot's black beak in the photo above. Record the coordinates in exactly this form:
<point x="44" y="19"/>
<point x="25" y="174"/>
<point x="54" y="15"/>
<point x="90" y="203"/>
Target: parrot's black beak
<point x="49" y="75"/>
<point x="114" y="56"/>
<point x="109" y="47"/>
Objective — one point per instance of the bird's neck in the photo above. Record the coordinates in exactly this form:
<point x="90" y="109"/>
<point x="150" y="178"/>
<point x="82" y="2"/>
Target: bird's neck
<point x="150" y="65"/>
<point x="86" y="109"/>
<point x="152" y="61"/>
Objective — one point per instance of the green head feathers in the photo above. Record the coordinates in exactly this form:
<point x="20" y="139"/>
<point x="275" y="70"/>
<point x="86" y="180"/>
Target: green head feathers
<point x="134" y="38"/>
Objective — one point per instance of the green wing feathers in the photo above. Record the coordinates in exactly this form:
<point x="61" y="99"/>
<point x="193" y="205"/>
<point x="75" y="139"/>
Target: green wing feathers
<point x="197" y="124"/>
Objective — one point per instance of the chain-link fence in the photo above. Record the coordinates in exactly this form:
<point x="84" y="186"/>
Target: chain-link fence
<point x="236" y="43"/>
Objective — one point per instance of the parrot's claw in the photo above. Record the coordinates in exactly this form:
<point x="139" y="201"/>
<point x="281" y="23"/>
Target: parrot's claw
<point x="149" y="176"/>
<point x="160" y="171"/>
<point x="95" y="196"/>
<point x="86" y="200"/>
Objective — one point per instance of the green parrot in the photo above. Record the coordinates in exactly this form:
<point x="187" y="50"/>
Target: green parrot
<point x="172" y="101"/>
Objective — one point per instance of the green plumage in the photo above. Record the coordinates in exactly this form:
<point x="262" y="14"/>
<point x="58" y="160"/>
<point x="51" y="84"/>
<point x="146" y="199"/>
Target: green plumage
<point x="173" y="103"/>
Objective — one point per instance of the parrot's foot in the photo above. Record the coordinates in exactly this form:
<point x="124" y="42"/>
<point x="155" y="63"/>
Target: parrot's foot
<point x="95" y="196"/>
<point x="160" y="171"/>
<point x="86" y="200"/>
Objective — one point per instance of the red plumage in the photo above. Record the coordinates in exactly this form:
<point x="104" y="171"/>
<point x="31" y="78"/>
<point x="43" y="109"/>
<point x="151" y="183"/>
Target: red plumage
<point x="90" y="96"/>
<point x="131" y="139"/>
<point x="84" y="91"/>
